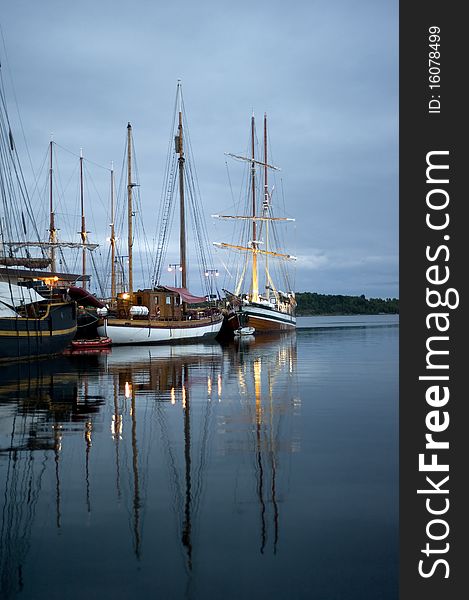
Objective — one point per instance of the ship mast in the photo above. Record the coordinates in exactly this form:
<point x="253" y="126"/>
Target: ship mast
<point x="113" y="240"/>
<point x="129" y="204"/>
<point x="255" y="281"/>
<point x="266" y="205"/>
<point x="83" y="227"/>
<point x="52" y="229"/>
<point x="264" y="217"/>
<point x="182" y="214"/>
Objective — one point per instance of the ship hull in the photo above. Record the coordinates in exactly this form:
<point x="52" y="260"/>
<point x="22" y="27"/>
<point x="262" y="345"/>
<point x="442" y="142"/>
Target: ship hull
<point x="22" y="337"/>
<point x="127" y="332"/>
<point x="263" y="319"/>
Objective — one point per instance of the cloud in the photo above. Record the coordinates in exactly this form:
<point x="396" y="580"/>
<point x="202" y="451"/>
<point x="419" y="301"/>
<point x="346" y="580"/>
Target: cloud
<point x="325" y="72"/>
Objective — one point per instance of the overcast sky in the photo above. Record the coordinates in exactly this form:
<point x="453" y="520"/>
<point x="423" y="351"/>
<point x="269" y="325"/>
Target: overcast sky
<point x="325" y="72"/>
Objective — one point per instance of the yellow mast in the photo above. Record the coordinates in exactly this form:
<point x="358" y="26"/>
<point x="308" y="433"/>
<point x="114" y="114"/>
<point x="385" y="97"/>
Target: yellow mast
<point x="266" y="205"/>
<point x="255" y="280"/>
<point x="253" y="246"/>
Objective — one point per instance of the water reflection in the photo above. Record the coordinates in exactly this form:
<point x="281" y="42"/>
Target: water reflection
<point x="40" y="403"/>
<point x="265" y="372"/>
<point x="170" y="428"/>
<point x="162" y="375"/>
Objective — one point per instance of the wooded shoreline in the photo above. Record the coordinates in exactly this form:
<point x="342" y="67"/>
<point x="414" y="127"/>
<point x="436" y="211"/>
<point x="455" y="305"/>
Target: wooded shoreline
<point x="311" y="303"/>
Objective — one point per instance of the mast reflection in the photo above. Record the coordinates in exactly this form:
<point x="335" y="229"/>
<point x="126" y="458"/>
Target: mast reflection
<point x="171" y="426"/>
<point x="40" y="405"/>
<point x="265" y="369"/>
<point x="165" y="377"/>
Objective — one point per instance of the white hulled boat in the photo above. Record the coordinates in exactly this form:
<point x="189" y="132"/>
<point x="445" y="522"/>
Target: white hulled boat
<point x="162" y="313"/>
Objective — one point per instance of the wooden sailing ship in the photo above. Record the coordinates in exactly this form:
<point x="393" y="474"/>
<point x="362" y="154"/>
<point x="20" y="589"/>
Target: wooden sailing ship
<point x="267" y="310"/>
<point x="31" y="325"/>
<point x="162" y="313"/>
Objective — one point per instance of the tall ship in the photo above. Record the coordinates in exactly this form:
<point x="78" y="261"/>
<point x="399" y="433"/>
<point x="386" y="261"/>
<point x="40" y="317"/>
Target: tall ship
<point x="165" y="313"/>
<point x="258" y="301"/>
<point x="31" y="324"/>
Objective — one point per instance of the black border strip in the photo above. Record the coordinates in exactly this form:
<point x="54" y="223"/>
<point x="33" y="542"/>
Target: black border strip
<point x="422" y="132"/>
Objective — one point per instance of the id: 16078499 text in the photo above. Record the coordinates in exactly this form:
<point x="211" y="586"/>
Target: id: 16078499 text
<point x="434" y="104"/>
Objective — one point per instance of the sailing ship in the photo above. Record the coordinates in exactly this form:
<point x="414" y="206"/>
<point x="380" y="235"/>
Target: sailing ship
<point x="31" y="325"/>
<point x="163" y="313"/>
<point x="267" y="310"/>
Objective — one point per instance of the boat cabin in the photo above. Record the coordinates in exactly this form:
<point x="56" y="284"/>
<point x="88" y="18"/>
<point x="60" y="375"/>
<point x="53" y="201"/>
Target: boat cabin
<point x="163" y="303"/>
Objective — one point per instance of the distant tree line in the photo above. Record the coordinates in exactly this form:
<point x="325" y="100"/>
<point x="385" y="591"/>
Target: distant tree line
<point x="310" y="303"/>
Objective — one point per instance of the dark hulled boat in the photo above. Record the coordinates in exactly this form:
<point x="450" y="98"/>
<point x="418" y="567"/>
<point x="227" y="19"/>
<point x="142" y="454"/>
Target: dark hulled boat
<point x="267" y="309"/>
<point x="31" y="326"/>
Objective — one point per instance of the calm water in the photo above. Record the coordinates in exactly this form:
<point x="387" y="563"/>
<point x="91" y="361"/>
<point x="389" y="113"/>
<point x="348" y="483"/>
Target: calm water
<point x="256" y="470"/>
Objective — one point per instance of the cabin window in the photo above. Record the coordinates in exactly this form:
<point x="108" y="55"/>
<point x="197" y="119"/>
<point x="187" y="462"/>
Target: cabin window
<point x="157" y="300"/>
<point x="139" y="300"/>
<point x="168" y="299"/>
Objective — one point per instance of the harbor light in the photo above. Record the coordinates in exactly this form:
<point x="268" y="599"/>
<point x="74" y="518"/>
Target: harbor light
<point x="175" y="267"/>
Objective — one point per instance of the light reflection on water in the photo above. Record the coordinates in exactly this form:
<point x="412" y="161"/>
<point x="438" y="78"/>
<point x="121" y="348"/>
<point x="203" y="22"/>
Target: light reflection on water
<point x="202" y="471"/>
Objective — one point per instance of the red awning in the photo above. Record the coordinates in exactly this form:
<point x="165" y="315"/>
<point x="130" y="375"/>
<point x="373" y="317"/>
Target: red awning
<point x="84" y="297"/>
<point x="185" y="295"/>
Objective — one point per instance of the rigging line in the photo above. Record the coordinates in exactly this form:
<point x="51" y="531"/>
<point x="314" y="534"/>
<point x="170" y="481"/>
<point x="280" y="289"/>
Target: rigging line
<point x="62" y="259"/>
<point x="167" y="212"/>
<point x="202" y="266"/>
<point x="166" y="198"/>
<point x="170" y="224"/>
<point x="207" y="257"/>
<point x="100" y="283"/>
<point x="198" y="219"/>
<point x="89" y="177"/>
<point x="204" y="237"/>
<point x="203" y="458"/>
<point x="229" y="181"/>
<point x="78" y="156"/>
<point x="36" y="182"/>
<point x="11" y="159"/>
<point x="197" y="245"/>
<point x="143" y="253"/>
<point x="14" y="96"/>
<point x="60" y="202"/>
<point x="175" y="483"/>
<point x="194" y="176"/>
<point x="120" y="213"/>
<point x="225" y="267"/>
<point x="163" y="217"/>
